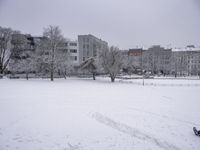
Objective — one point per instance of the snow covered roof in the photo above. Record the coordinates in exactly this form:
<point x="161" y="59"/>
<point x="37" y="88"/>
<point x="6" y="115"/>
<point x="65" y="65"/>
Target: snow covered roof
<point x="186" y="49"/>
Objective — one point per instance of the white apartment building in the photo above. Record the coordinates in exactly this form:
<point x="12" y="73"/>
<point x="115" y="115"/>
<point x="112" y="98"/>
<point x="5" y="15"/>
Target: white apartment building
<point x="90" y="46"/>
<point x="71" y="47"/>
<point x="187" y="60"/>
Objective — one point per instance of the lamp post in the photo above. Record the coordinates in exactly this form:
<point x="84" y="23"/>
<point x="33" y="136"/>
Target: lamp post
<point x="142" y="68"/>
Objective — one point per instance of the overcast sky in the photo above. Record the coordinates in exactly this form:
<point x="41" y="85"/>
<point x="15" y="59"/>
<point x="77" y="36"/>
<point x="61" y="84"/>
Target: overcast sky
<point x="124" y="23"/>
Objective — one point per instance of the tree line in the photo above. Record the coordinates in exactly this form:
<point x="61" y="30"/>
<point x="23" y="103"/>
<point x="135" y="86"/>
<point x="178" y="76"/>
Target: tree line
<point x="46" y="57"/>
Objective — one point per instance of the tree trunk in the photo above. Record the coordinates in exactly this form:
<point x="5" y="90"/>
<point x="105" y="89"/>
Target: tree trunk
<point x="51" y="75"/>
<point x="94" y="77"/>
<point x="52" y="72"/>
<point x="1" y="69"/>
<point x="112" y="78"/>
<point x="26" y="75"/>
<point x="65" y="76"/>
<point x="52" y="64"/>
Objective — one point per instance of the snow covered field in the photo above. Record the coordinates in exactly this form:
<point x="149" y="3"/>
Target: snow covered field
<point x="81" y="114"/>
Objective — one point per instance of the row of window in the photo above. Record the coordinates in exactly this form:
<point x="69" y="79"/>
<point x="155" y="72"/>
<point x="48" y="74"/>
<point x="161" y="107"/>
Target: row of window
<point x="189" y="57"/>
<point x="71" y="44"/>
<point x="193" y="57"/>
<point x="193" y="61"/>
<point x="73" y="58"/>
<point x="194" y="66"/>
<point x="71" y="50"/>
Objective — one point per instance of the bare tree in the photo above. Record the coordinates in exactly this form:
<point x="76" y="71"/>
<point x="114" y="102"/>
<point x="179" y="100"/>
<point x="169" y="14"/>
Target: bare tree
<point x="55" y="39"/>
<point x="112" y="61"/>
<point x="5" y="48"/>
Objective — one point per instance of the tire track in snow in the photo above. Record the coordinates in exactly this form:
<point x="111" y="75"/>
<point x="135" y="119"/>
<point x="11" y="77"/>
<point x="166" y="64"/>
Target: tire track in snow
<point x="133" y="132"/>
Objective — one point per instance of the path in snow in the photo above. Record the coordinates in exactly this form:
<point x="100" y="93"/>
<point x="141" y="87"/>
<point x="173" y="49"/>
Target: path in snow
<point x="133" y="132"/>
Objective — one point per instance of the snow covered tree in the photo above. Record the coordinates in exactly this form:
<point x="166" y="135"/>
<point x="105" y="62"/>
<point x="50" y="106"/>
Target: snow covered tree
<point x="43" y="58"/>
<point x="22" y="56"/>
<point x="54" y="40"/>
<point x="63" y="63"/>
<point x="90" y="66"/>
<point x="112" y="61"/>
<point x="5" y="48"/>
<point x="28" y="63"/>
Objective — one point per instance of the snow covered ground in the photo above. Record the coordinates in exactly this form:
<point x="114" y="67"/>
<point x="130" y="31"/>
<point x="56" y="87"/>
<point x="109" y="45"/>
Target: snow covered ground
<point x="82" y="114"/>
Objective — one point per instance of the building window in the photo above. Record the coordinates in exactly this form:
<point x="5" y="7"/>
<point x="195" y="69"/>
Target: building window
<point x="64" y="50"/>
<point x="94" y="50"/>
<point x="73" y="44"/>
<point x="73" y="58"/>
<point x="46" y="53"/>
<point x="84" y="52"/>
<point x="73" y="51"/>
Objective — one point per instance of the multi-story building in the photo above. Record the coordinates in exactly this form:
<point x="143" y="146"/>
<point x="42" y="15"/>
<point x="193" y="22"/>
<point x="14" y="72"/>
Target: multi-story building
<point x="194" y="63"/>
<point x="186" y="61"/>
<point x="74" y="52"/>
<point x="135" y="57"/>
<point x="89" y="46"/>
<point x="157" y="59"/>
<point x="71" y="47"/>
<point x="26" y="47"/>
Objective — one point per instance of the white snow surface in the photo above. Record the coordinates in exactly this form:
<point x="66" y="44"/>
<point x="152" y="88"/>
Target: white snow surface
<point x="82" y="114"/>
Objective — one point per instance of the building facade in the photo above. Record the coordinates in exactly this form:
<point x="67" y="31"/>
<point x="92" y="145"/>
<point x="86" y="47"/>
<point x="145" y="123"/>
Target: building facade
<point x="28" y="52"/>
<point x="156" y="59"/>
<point x="71" y="48"/>
<point x="135" y="57"/>
<point x="90" y="46"/>
<point x="186" y="61"/>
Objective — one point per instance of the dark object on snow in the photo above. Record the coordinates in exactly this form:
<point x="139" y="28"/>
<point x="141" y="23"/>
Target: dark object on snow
<point x="196" y="132"/>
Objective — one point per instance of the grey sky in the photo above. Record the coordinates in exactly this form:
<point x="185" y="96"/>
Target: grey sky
<point x="124" y="23"/>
